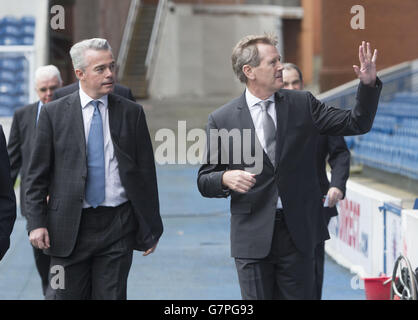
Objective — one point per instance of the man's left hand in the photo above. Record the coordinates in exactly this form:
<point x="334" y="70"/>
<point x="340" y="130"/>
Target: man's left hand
<point x="151" y="250"/>
<point x="367" y="70"/>
<point x="334" y="195"/>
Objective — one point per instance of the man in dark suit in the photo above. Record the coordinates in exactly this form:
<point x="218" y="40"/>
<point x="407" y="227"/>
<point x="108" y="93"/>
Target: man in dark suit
<point x="7" y="198"/>
<point x="331" y="148"/>
<point x="93" y="153"/>
<point x="21" y="138"/>
<point x="119" y="89"/>
<point x="276" y="215"/>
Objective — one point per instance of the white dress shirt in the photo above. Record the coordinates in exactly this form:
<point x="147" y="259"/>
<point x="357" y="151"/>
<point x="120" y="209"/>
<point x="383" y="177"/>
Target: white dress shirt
<point x="114" y="192"/>
<point x="40" y="104"/>
<point x="256" y="115"/>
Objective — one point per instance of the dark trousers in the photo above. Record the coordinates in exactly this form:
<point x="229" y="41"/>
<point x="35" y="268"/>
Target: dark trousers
<point x="42" y="262"/>
<point x="98" y="267"/>
<point x="285" y="273"/>
<point x="319" y="268"/>
<point x="319" y="265"/>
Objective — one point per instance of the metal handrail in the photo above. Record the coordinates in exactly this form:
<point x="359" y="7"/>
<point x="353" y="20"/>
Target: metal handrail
<point x="154" y="36"/>
<point x="127" y="36"/>
<point x="344" y="95"/>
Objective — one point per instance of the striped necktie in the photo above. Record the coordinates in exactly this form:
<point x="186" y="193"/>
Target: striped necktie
<point x="269" y="131"/>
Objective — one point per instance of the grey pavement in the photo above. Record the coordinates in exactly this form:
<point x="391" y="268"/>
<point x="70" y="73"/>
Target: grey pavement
<point x="192" y="260"/>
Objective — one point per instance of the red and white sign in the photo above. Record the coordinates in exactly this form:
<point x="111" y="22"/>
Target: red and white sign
<point x="357" y="232"/>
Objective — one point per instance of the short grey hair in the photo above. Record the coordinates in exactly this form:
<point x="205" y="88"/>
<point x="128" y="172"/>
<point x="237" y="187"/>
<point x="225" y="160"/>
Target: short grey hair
<point x="246" y="52"/>
<point x="47" y="72"/>
<point x="290" y="66"/>
<point x="77" y="51"/>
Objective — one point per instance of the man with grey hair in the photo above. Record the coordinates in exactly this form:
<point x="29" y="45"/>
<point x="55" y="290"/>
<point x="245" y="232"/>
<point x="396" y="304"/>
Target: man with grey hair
<point x="93" y="156"/>
<point x="276" y="217"/>
<point x="118" y="89"/>
<point x="22" y="132"/>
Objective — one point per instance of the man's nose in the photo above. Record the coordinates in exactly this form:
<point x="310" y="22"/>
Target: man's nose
<point x="109" y="72"/>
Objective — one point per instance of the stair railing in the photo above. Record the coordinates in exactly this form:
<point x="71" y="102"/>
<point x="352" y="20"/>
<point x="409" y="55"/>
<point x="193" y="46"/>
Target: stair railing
<point x="155" y="35"/>
<point x="127" y="36"/>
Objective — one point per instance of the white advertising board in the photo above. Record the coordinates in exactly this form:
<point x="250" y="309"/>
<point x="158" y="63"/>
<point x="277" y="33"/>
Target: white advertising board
<point x="357" y="233"/>
<point x="410" y="236"/>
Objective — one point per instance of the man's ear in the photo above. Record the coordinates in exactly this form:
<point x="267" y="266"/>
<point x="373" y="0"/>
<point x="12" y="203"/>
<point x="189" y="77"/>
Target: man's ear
<point x="248" y="71"/>
<point x="79" y="74"/>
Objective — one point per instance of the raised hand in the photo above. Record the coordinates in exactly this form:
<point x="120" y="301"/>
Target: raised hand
<point x="367" y="70"/>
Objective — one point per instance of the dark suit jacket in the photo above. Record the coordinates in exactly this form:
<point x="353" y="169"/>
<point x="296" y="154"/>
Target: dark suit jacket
<point x="339" y="161"/>
<point x="20" y="144"/>
<point x="7" y="198"/>
<point x="119" y="89"/>
<point x="301" y="119"/>
<point x="59" y="164"/>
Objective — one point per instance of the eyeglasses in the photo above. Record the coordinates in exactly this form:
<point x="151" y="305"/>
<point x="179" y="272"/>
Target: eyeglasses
<point x="44" y="89"/>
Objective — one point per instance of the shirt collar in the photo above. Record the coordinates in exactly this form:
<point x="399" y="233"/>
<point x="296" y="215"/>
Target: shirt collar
<point x="85" y="99"/>
<point x="40" y="104"/>
<point x="252" y="100"/>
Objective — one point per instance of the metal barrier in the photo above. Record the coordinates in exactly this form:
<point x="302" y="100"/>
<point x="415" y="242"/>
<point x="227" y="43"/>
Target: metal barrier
<point x="399" y="78"/>
<point x="397" y="211"/>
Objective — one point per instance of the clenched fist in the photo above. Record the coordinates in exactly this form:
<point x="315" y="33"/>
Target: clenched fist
<point x="238" y="180"/>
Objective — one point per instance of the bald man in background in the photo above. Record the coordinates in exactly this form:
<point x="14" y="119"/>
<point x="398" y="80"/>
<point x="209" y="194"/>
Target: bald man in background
<point x="335" y="150"/>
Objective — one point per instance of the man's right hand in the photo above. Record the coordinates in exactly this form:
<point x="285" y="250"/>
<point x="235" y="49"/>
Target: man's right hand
<point x="238" y="180"/>
<point x="39" y="238"/>
<point x="367" y="70"/>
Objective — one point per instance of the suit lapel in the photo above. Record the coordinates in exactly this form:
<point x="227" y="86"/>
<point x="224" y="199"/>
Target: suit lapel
<point x="246" y="121"/>
<point x="282" y="114"/>
<point x="75" y="118"/>
<point x="115" y="117"/>
<point x="32" y="116"/>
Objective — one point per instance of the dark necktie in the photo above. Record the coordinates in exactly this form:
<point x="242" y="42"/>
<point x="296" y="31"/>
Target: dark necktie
<point x="269" y="131"/>
<point x="95" y="184"/>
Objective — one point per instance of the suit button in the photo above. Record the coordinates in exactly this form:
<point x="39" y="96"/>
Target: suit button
<point x="84" y="177"/>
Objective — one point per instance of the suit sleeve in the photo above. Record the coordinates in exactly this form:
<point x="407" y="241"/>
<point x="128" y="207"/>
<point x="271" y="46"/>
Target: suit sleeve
<point x="14" y="148"/>
<point x="146" y="167"/>
<point x="339" y="161"/>
<point x="7" y="198"/>
<point x="39" y="169"/>
<point x="145" y="153"/>
<point x="341" y="122"/>
<point x="209" y="179"/>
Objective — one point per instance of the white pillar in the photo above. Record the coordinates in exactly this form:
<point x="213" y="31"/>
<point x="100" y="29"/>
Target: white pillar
<point x="279" y="29"/>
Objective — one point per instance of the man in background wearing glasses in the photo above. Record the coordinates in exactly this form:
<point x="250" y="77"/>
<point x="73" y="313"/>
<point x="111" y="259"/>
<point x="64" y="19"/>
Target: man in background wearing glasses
<point x="22" y="133"/>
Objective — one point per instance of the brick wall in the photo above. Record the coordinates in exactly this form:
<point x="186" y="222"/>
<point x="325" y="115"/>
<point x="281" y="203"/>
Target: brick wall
<point x="391" y="26"/>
